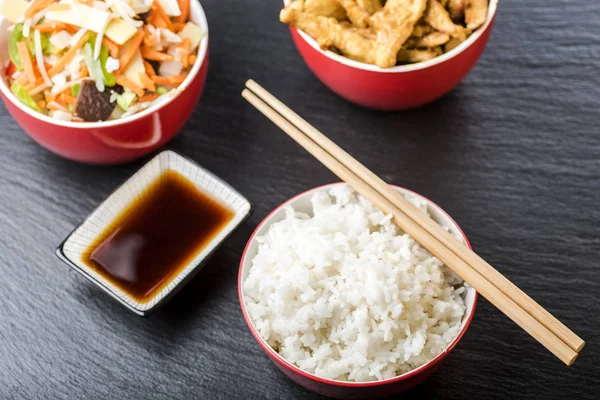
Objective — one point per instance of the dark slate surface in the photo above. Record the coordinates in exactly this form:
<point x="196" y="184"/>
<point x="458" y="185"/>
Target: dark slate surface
<point x="512" y="154"/>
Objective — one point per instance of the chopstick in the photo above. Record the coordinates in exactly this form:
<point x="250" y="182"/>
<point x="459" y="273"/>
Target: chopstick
<point x="520" y="297"/>
<point x="529" y="315"/>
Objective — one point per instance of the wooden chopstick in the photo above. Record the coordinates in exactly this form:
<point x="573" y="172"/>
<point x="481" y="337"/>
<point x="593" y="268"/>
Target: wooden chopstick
<point x="470" y="257"/>
<point x="519" y="315"/>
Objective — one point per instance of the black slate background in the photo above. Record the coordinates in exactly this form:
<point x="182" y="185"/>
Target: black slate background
<point x="512" y="154"/>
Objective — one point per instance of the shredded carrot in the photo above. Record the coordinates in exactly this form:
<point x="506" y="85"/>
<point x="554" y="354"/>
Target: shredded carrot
<point x="59" y="7"/>
<point x="73" y="29"/>
<point x="192" y="59"/>
<point x="157" y="8"/>
<point x="157" y="21"/>
<point x="39" y="88"/>
<point x="36" y="89"/>
<point x="112" y="47"/>
<point x="139" y="91"/>
<point x="50" y="27"/>
<point x="41" y="104"/>
<point x="185" y="44"/>
<point x="37" y="6"/>
<point x="32" y="87"/>
<point x="33" y="8"/>
<point x="149" y="69"/>
<point x="28" y="88"/>
<point x="68" y="56"/>
<point x="84" y="73"/>
<point x="147" y="82"/>
<point x="184" y="6"/>
<point x="170" y="81"/>
<point x="161" y="80"/>
<point x="67" y="98"/>
<point x="178" y="27"/>
<point x="149" y="39"/>
<point x="22" y="79"/>
<point x="27" y="62"/>
<point x="65" y="90"/>
<point x="49" y="97"/>
<point x="61" y="101"/>
<point x="184" y="51"/>
<point x="148" y="97"/>
<point x="56" y="106"/>
<point x="129" y="50"/>
<point x="150" y="54"/>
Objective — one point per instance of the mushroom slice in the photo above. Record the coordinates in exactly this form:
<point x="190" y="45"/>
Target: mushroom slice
<point x="93" y="105"/>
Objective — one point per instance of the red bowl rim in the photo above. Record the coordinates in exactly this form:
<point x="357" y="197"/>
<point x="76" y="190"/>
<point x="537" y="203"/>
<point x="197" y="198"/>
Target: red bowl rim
<point x="493" y="6"/>
<point x="268" y="349"/>
<point x="202" y="52"/>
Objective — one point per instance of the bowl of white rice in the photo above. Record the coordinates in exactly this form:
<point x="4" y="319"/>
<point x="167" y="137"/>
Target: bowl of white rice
<point x="344" y="302"/>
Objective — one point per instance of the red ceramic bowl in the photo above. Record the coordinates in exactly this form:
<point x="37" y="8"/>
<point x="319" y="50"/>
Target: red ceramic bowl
<point x="397" y="88"/>
<point x="117" y="141"/>
<point x="338" y="389"/>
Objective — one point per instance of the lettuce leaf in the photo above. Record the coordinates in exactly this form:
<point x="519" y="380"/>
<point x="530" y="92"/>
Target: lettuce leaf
<point x="24" y="97"/>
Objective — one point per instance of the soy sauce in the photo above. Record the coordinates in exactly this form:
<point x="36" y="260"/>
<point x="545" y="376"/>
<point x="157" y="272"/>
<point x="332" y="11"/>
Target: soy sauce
<point x="156" y="236"/>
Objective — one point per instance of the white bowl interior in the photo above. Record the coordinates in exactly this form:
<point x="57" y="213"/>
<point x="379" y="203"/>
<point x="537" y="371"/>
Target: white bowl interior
<point x="302" y="203"/>
<point x="197" y="16"/>
<point x="80" y="240"/>
<point x="493" y="5"/>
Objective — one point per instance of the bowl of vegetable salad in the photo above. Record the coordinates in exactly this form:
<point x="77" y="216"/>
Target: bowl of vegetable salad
<point x="103" y="81"/>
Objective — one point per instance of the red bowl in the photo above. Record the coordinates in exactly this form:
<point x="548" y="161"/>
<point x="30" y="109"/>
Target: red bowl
<point x="338" y="389"/>
<point x="397" y="88"/>
<point x="117" y="141"/>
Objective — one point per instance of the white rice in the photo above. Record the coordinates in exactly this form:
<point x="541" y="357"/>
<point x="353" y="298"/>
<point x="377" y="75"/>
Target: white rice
<point x="346" y="295"/>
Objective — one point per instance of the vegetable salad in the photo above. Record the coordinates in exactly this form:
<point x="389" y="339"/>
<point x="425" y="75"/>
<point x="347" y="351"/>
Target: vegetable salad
<point x="84" y="60"/>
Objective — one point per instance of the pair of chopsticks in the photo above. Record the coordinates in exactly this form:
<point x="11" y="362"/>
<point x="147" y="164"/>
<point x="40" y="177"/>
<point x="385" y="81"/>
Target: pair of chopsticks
<point x="502" y="293"/>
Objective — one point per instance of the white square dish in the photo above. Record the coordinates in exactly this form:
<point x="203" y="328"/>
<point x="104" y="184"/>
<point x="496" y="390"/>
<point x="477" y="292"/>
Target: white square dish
<point x="73" y="247"/>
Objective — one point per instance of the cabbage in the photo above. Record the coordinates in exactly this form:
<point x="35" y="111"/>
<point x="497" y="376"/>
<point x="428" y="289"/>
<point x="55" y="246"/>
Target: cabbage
<point x="17" y="36"/>
<point x="124" y="100"/>
<point x="75" y="89"/>
<point x="24" y="97"/>
<point x="94" y="67"/>
<point x="109" y="78"/>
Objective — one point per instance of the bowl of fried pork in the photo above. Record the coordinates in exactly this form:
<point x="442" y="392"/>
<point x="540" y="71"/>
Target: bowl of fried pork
<point x="394" y="54"/>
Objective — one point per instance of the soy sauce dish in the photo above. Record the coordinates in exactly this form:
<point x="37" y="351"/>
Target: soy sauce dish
<point x="346" y="304"/>
<point x="149" y="237"/>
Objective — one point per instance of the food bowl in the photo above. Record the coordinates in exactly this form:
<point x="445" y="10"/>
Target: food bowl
<point x="116" y="141"/>
<point x="400" y="87"/>
<point x="339" y="389"/>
